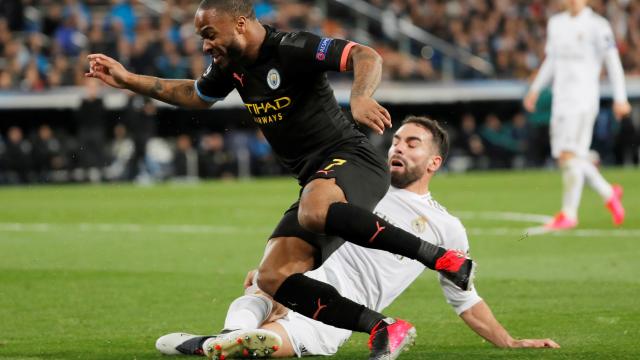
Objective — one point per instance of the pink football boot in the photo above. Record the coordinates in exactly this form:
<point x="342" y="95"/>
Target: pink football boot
<point x="561" y="222"/>
<point x="389" y="339"/>
<point x="614" y="204"/>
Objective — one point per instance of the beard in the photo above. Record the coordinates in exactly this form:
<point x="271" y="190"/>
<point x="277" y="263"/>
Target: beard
<point x="233" y="54"/>
<point x="407" y="177"/>
<point x="234" y="51"/>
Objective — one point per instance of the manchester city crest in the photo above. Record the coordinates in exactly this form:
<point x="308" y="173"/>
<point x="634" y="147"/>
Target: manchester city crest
<point x="273" y="79"/>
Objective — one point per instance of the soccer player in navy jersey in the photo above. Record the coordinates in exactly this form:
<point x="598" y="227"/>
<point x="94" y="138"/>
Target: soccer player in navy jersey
<point x="282" y="80"/>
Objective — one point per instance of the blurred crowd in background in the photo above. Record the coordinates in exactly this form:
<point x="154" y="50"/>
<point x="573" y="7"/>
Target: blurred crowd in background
<point x="44" y="43"/>
<point x="510" y="34"/>
<point x="130" y="150"/>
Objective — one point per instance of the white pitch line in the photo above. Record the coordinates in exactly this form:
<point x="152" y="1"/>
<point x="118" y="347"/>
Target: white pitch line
<point x="536" y="230"/>
<point x="505" y="216"/>
<point x="502" y="231"/>
<point x="215" y="229"/>
<point x="128" y="228"/>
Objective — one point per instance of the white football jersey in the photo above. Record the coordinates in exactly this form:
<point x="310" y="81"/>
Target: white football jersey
<point x="375" y="278"/>
<point x="575" y="50"/>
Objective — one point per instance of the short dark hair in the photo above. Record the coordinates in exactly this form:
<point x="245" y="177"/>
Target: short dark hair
<point x="233" y="7"/>
<point x="440" y="136"/>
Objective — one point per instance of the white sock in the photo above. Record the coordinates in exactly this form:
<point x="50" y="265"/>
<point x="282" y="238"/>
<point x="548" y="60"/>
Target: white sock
<point x="247" y="312"/>
<point x="596" y="180"/>
<point x="572" y="181"/>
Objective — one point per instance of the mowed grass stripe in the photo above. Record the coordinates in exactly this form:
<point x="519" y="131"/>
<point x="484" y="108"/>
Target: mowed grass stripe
<point x="72" y="294"/>
<point x="133" y="228"/>
<point x="221" y="229"/>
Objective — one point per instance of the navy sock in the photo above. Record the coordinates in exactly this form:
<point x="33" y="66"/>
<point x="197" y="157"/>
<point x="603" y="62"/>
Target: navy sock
<point x="320" y="301"/>
<point x="362" y="227"/>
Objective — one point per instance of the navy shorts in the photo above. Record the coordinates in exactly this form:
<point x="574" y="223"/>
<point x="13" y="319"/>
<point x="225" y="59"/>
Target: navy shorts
<point x="363" y="176"/>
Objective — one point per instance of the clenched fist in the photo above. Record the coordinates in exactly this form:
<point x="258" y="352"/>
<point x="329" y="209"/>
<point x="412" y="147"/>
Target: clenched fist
<point x="367" y="111"/>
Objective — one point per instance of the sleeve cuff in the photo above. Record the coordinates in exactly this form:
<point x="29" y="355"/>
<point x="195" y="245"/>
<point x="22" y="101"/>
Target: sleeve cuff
<point x="459" y="309"/>
<point x="205" y="97"/>
<point x="345" y="56"/>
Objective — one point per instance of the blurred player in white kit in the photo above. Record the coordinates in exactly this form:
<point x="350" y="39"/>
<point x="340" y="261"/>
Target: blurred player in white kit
<point x="578" y="42"/>
<point x="374" y="278"/>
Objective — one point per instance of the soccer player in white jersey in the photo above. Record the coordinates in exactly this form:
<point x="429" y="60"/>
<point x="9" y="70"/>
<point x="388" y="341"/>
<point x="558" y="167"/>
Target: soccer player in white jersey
<point x="372" y="277"/>
<point x="578" y="42"/>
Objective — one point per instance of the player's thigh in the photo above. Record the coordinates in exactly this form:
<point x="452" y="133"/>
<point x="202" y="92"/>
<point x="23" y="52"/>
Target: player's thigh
<point x="585" y="135"/>
<point x="315" y="200"/>
<point x="309" y="337"/>
<point x="571" y="131"/>
<point x="358" y="171"/>
<point x="283" y="257"/>
<point x="323" y="245"/>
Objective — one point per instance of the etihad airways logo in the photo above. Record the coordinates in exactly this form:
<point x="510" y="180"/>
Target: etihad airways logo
<point x="264" y="107"/>
<point x="268" y="111"/>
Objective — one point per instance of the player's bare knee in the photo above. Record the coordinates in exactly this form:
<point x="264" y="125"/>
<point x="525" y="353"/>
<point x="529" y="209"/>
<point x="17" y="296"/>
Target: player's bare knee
<point x="269" y="280"/>
<point x="312" y="214"/>
<point x="314" y="203"/>
<point x="284" y="257"/>
<point x="312" y="219"/>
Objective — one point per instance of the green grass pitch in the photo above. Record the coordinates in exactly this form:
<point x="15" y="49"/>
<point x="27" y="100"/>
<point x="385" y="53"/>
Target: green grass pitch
<point x="99" y="272"/>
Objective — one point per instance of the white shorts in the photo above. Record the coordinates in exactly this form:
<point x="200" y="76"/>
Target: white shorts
<point x="310" y="337"/>
<point x="572" y="131"/>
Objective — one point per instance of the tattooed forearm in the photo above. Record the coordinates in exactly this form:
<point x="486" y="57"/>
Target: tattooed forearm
<point x="157" y="88"/>
<point x="181" y="93"/>
<point x="188" y="90"/>
<point x="367" y="71"/>
<point x="183" y="90"/>
<point x="366" y="78"/>
<point x="174" y="92"/>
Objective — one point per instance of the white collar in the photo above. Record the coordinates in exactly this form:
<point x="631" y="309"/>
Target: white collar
<point x="583" y="13"/>
<point x="426" y="196"/>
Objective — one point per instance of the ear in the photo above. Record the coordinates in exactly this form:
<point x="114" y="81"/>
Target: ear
<point x="241" y="24"/>
<point x="434" y="163"/>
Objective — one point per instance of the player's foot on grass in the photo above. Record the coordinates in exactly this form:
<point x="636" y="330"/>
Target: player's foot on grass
<point x="614" y="204"/>
<point x="181" y="344"/>
<point x="561" y="222"/>
<point x="457" y="267"/>
<point x="389" y="338"/>
<point x="256" y="343"/>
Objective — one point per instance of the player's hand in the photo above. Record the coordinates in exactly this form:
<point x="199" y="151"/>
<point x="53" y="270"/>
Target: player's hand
<point x="108" y="70"/>
<point x="530" y="101"/>
<point x="248" y="281"/>
<point x="534" y="343"/>
<point x="367" y="111"/>
<point x="621" y="109"/>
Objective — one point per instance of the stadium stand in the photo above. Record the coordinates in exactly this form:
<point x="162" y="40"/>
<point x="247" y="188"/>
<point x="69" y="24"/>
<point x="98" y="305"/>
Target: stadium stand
<point x="43" y="46"/>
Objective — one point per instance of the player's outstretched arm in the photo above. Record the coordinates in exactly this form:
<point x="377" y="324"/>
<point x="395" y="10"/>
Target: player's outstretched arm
<point x="621" y="106"/>
<point x="481" y="320"/>
<point x="176" y="92"/>
<point x="366" y="64"/>
<point x="545" y="72"/>
<point x="542" y="79"/>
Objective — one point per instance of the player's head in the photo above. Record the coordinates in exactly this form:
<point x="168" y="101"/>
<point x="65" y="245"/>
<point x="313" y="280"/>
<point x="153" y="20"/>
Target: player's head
<point x="575" y="6"/>
<point x="419" y="148"/>
<point x="223" y="25"/>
